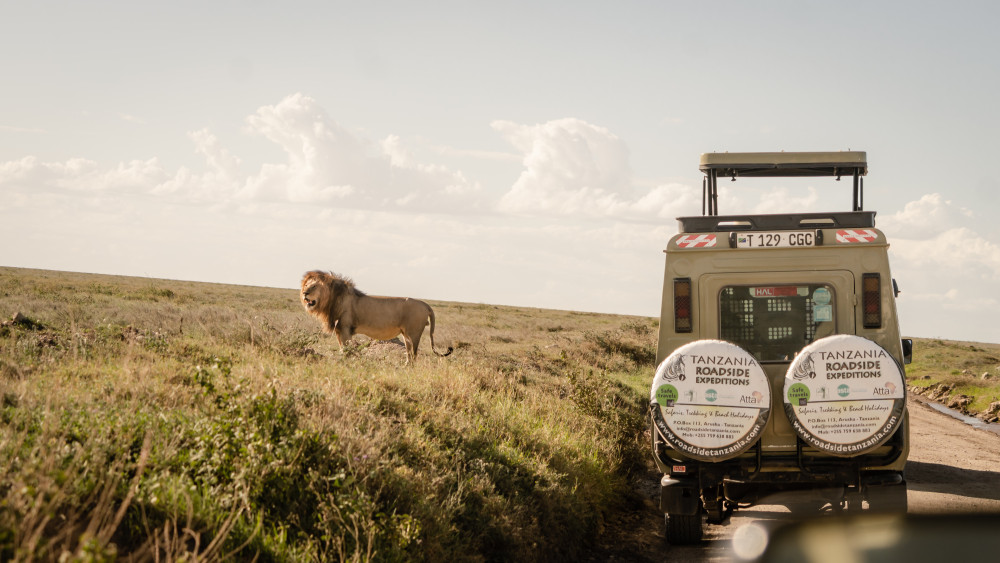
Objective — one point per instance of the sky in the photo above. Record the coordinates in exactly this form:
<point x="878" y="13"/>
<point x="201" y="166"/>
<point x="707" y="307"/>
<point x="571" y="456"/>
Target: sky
<point x="512" y="153"/>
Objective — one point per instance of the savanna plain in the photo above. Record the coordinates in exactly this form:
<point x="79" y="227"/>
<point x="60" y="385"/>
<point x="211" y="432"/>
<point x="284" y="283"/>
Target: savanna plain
<point x="154" y="420"/>
<point x="147" y="419"/>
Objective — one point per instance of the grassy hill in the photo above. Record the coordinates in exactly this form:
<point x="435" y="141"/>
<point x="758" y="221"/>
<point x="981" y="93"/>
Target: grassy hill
<point x="151" y="419"/>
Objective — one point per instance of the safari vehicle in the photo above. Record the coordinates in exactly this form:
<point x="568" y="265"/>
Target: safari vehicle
<point x="780" y="364"/>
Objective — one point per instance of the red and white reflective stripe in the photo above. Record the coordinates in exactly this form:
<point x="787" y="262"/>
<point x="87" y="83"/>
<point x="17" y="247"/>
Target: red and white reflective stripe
<point x="696" y="241"/>
<point x="856" y="235"/>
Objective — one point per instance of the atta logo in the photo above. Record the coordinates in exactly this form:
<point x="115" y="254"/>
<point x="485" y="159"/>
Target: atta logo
<point x="887" y="390"/>
<point x="753" y="398"/>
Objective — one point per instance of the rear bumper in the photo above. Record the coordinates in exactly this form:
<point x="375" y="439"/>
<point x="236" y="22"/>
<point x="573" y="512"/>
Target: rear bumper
<point x="802" y="465"/>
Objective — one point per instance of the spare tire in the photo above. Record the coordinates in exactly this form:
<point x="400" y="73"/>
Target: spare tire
<point x="710" y="400"/>
<point x="844" y="395"/>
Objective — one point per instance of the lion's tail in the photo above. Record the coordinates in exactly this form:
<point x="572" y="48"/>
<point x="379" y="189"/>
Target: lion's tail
<point x="433" y="349"/>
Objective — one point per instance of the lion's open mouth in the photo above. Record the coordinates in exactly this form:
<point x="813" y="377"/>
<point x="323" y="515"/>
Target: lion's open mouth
<point x="310" y="303"/>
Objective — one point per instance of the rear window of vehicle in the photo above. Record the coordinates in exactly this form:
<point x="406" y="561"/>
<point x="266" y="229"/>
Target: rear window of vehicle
<point x="774" y="322"/>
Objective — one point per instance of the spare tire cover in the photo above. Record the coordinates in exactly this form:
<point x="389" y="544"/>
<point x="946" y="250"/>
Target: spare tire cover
<point x="844" y="395"/>
<point x="710" y="400"/>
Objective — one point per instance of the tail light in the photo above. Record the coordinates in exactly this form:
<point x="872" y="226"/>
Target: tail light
<point x="871" y="300"/>
<point x="682" y="305"/>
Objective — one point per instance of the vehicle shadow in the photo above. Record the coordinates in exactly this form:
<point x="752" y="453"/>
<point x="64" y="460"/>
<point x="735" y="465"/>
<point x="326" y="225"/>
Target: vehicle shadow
<point x="940" y="478"/>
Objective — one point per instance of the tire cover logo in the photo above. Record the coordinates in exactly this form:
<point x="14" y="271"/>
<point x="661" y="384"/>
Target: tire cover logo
<point x="804" y="369"/>
<point x="844" y="395"/>
<point x="675" y="369"/>
<point x="710" y="400"/>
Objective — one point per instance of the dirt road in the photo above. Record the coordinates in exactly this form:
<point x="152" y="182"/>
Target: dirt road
<point x="952" y="467"/>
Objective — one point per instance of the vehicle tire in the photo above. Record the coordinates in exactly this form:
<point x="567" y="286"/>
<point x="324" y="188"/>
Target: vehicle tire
<point x="883" y="392"/>
<point x="887" y="498"/>
<point x="680" y="529"/>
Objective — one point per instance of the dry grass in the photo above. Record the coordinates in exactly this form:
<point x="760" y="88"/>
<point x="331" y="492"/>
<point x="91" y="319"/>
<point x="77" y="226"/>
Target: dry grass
<point x="158" y="420"/>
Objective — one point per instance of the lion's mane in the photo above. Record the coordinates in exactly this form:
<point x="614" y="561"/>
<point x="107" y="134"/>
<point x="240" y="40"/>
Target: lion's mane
<point x="333" y="295"/>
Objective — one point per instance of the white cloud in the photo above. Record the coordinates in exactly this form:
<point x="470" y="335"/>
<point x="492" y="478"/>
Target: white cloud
<point x="325" y="161"/>
<point x="947" y="270"/>
<point x="572" y="167"/>
<point x="667" y="201"/>
<point x="219" y="184"/>
<point x="931" y="239"/>
<point x="426" y="178"/>
<point x="958" y="253"/>
<point x="925" y="218"/>
<point x="326" y="164"/>
<point x="30" y="175"/>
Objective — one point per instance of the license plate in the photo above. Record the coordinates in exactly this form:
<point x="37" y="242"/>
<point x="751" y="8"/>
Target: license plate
<point x="779" y="239"/>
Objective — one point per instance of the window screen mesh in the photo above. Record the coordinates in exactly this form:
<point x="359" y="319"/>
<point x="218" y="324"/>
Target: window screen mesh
<point x="774" y="322"/>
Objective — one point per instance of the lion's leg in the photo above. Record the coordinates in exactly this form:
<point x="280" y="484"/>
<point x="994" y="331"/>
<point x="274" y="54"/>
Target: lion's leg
<point x="344" y="335"/>
<point x="411" y="348"/>
<point x="414" y="333"/>
<point x="414" y="341"/>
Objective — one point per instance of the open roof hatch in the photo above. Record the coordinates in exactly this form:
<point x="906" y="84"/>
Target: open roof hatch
<point x="779" y="164"/>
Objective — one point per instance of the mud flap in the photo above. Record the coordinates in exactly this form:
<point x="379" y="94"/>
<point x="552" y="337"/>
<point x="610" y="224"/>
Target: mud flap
<point x="885" y="492"/>
<point x="679" y="496"/>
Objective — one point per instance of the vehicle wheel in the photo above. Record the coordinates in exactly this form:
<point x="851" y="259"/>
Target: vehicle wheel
<point x="887" y="498"/>
<point x="682" y="528"/>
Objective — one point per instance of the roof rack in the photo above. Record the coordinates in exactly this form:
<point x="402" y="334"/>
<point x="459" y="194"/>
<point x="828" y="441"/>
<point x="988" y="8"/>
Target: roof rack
<point x="777" y="222"/>
<point x="780" y="164"/>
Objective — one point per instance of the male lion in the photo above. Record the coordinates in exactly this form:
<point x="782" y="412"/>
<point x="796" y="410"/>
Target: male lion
<point x="345" y="310"/>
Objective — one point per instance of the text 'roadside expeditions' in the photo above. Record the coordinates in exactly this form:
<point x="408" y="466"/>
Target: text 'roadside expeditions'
<point x="705" y="367"/>
<point x="850" y="364"/>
